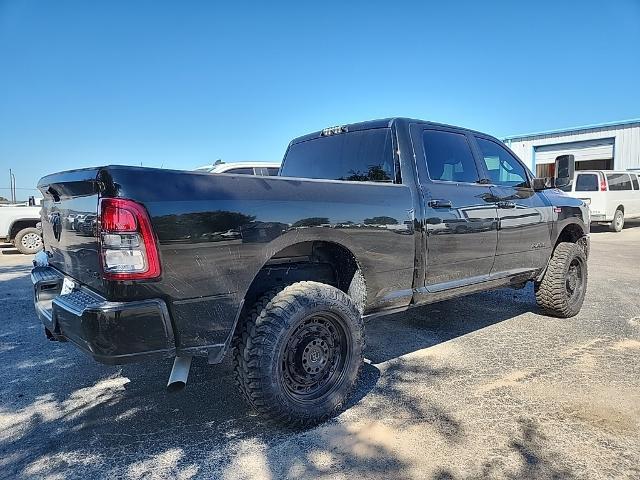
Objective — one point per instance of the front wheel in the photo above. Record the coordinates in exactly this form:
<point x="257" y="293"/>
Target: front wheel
<point x="28" y="241"/>
<point x="562" y="289"/>
<point x="299" y="354"/>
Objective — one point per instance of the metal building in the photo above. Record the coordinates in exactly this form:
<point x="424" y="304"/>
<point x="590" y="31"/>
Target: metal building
<point x="607" y="146"/>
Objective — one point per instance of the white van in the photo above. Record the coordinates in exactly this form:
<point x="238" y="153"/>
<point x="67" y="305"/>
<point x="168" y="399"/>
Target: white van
<point x="612" y="196"/>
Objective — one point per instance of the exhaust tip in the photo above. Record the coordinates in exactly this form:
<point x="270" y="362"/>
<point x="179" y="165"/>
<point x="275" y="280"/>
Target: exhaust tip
<point x="173" y="387"/>
<point x="179" y="374"/>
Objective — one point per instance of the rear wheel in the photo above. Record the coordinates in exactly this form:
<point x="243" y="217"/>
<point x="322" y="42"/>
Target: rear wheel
<point x="299" y="354"/>
<point x="28" y="241"/>
<point x="618" y="221"/>
<point x="562" y="289"/>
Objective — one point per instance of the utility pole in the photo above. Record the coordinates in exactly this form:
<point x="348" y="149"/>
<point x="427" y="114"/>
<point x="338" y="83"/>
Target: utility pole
<point x="12" y="186"/>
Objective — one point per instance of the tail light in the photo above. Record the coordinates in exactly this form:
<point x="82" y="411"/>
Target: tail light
<point x="127" y="243"/>
<point x="603" y="183"/>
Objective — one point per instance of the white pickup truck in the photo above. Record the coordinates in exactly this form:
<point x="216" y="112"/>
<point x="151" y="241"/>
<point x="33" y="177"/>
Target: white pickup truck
<point x="18" y="225"/>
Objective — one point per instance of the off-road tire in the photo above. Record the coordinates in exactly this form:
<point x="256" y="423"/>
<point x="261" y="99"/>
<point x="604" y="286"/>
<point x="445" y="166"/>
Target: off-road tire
<point x="554" y="293"/>
<point x="358" y="291"/>
<point x="263" y="348"/>
<point x="28" y="241"/>
<point x="618" y="221"/>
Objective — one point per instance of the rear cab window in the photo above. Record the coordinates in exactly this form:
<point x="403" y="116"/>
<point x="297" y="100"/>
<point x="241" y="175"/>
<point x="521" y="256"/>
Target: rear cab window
<point x="587" y="182"/>
<point x="361" y="156"/>
<point x="634" y="179"/>
<point x="619" y="182"/>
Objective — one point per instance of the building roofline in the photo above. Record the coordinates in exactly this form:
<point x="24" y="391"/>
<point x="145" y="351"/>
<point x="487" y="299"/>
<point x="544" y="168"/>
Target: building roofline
<point x="573" y="129"/>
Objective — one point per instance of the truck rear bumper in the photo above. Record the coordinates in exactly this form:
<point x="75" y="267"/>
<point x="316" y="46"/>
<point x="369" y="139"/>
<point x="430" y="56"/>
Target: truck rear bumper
<point x="111" y="332"/>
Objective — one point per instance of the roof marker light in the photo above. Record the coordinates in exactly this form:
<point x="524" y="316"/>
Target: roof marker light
<point x="334" y="130"/>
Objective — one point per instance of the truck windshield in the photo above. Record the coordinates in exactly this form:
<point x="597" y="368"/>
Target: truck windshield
<point x="361" y="156"/>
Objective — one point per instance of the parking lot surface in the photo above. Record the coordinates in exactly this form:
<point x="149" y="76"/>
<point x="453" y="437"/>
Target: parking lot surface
<point x="480" y="387"/>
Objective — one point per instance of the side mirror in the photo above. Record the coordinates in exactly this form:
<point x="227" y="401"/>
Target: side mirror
<point x="565" y="168"/>
<point x="542" y="183"/>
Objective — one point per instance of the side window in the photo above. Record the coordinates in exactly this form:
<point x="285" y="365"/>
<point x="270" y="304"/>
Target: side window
<point x="272" y="171"/>
<point x="587" y="182"/>
<point x="634" y="179"/>
<point x="243" y="171"/>
<point x="502" y="167"/>
<point x="619" y="181"/>
<point x="449" y="157"/>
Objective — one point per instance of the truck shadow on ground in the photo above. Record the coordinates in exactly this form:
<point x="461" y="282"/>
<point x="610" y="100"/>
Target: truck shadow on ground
<point x="63" y="414"/>
<point x="426" y="326"/>
<point x="628" y="225"/>
<point x="9" y="249"/>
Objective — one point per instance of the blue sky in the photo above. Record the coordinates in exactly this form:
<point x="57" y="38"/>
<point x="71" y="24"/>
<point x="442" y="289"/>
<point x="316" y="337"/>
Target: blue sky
<point x="180" y="84"/>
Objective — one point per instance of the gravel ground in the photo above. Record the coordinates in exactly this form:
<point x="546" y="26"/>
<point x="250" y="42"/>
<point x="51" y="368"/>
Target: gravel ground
<point x="480" y="387"/>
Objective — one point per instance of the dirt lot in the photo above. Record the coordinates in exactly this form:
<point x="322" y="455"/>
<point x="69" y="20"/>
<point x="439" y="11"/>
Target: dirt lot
<point x="481" y="387"/>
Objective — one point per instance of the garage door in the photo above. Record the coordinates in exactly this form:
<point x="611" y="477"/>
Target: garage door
<point x="601" y="149"/>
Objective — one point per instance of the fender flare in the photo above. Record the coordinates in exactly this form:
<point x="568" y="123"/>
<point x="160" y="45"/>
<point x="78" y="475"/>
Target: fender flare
<point x="28" y="219"/>
<point x="582" y="240"/>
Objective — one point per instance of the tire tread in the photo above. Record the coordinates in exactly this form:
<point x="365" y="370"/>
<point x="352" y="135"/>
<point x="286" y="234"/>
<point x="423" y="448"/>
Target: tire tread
<point x="263" y="323"/>
<point x="551" y="292"/>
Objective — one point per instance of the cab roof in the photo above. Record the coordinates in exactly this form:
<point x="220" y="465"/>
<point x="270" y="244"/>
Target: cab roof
<point x="378" y="123"/>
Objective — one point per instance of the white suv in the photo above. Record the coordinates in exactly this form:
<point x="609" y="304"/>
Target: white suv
<point x="246" y="168"/>
<point x="612" y="196"/>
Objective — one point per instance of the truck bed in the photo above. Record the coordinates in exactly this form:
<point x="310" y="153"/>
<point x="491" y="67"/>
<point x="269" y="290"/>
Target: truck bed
<point x="216" y="231"/>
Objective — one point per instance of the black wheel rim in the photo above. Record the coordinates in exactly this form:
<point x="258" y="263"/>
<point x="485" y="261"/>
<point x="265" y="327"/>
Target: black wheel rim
<point x="574" y="279"/>
<point x="315" y="357"/>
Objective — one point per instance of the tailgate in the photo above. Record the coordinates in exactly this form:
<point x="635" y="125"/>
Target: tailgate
<point x="69" y="224"/>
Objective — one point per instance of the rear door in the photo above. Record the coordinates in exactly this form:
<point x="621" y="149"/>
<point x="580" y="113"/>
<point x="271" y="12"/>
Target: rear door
<point x="636" y="192"/>
<point x="461" y="217"/>
<point x="524" y="228"/>
<point x="620" y="194"/>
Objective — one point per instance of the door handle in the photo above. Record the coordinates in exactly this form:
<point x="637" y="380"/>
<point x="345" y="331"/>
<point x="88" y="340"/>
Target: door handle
<point x="506" y="204"/>
<point x="439" y="203"/>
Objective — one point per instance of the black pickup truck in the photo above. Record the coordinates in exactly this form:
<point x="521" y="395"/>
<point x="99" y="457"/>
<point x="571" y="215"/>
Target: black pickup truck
<point x="363" y="219"/>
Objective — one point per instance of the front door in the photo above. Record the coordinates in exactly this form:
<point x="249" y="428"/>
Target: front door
<point x="525" y="216"/>
<point x="460" y="215"/>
